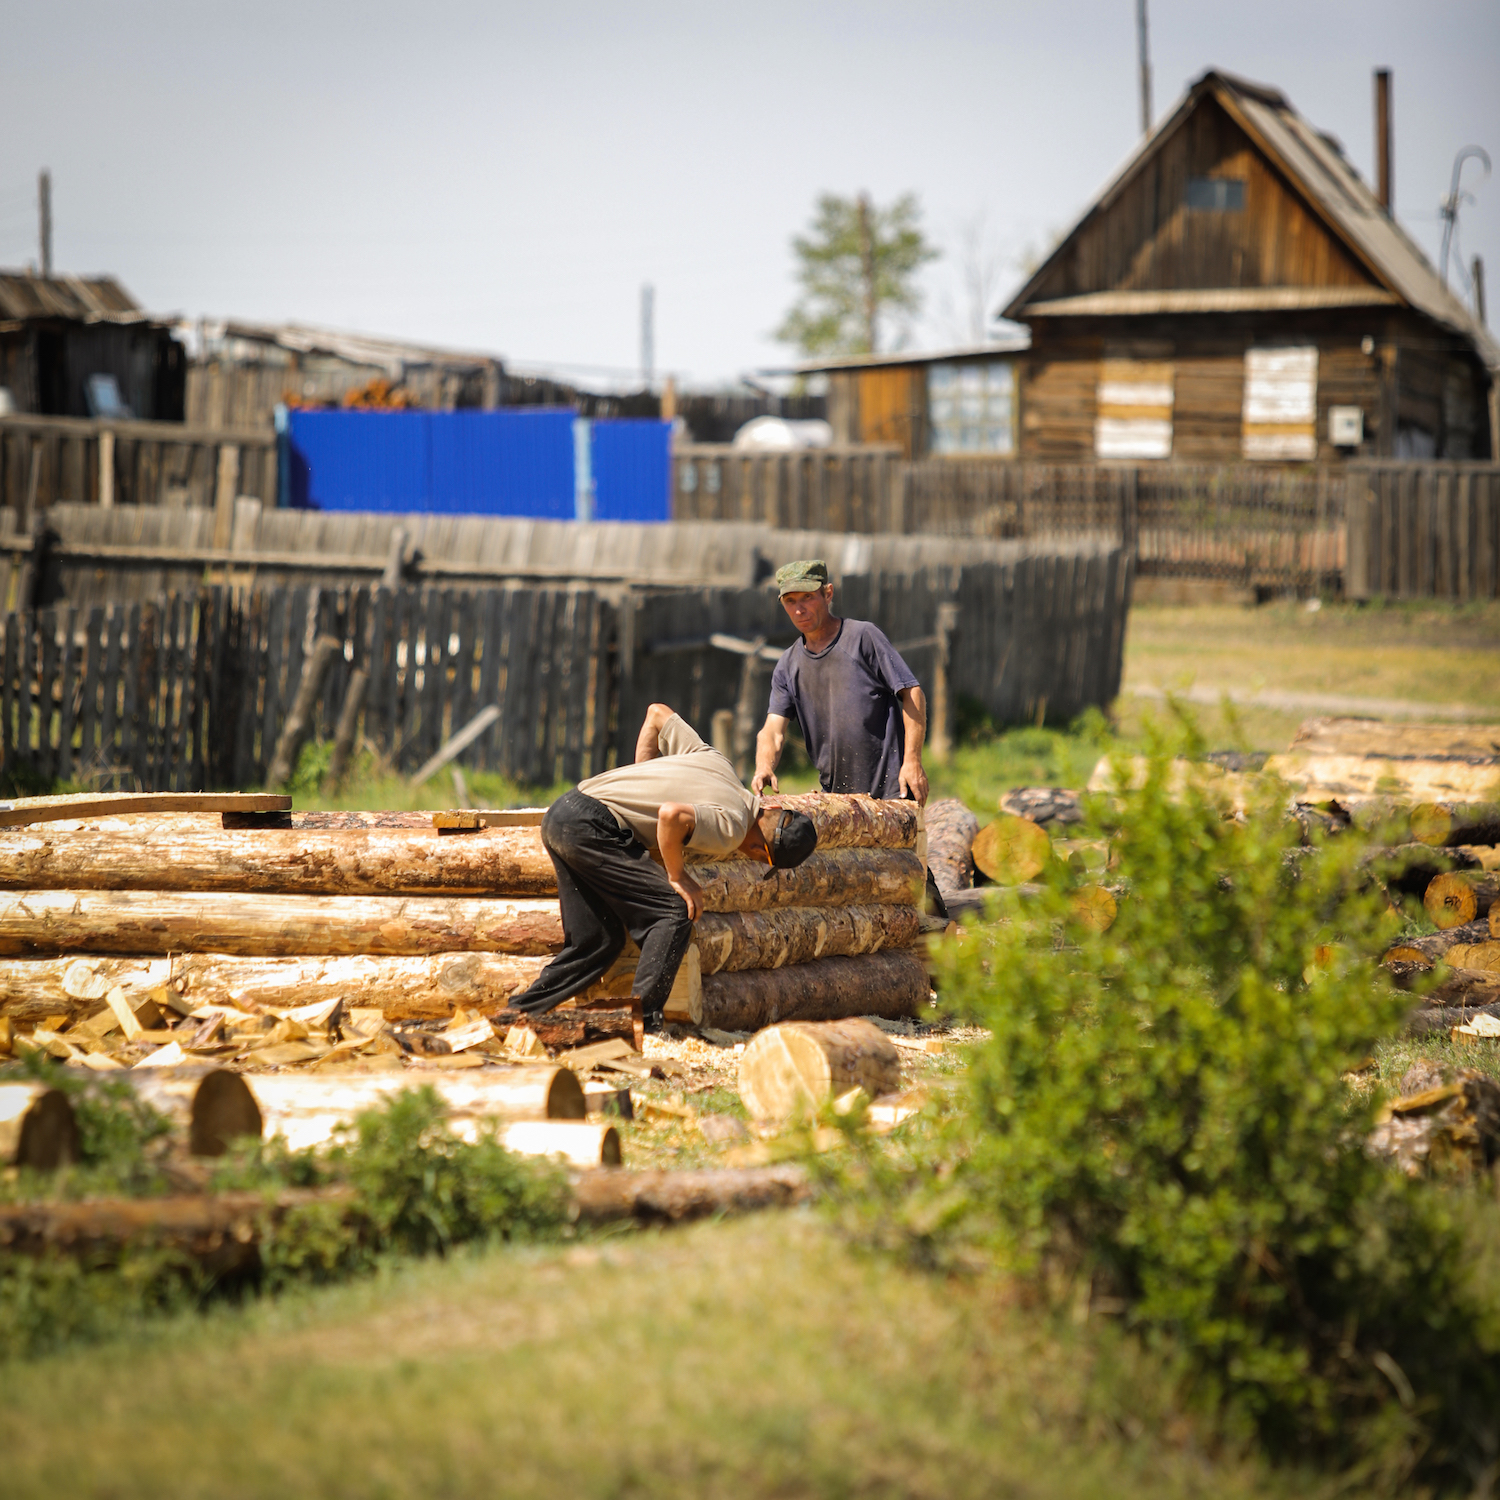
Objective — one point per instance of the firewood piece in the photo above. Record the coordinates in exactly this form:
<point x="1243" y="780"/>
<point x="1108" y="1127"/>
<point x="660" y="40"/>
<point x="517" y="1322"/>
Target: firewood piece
<point x="1012" y="850"/>
<point x="1449" y="823"/>
<point x="855" y="822"/>
<point x="1454" y="899"/>
<point x="1043" y="804"/>
<point x="27" y="810"/>
<point x="1427" y="950"/>
<point x="575" y="1028"/>
<point x="306" y="1108"/>
<point x="37" y="1128"/>
<point x="840" y="877"/>
<point x="580" y="1143"/>
<point x="827" y="989"/>
<point x="671" y="1197"/>
<point x="250" y="925"/>
<point x="1452" y="1128"/>
<point x="731" y="941"/>
<point x="951" y="829"/>
<point x="365" y="861"/>
<point x="326" y="649"/>
<point x="798" y="1066"/>
<point x="209" y="1107"/>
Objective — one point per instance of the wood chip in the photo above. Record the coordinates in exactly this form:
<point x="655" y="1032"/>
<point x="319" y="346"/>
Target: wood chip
<point x="581" y="1059"/>
<point x="474" y="1034"/>
<point x="164" y="1057"/>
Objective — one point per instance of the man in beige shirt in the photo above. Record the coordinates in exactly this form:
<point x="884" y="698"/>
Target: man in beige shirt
<point x="679" y="793"/>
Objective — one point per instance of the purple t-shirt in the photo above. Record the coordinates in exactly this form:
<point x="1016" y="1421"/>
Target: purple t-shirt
<point x="845" y="699"/>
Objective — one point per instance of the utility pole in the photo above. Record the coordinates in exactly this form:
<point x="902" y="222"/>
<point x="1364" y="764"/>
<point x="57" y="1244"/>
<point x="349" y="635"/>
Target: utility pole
<point x="648" y="335"/>
<point x="1143" y="47"/>
<point x="867" y="267"/>
<point x="44" y="205"/>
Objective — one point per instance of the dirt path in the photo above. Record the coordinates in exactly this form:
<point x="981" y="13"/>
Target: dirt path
<point x="1316" y="703"/>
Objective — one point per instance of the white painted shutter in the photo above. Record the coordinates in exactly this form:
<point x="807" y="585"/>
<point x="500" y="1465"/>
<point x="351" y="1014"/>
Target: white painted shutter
<point x="1134" y="416"/>
<point x="1280" y="418"/>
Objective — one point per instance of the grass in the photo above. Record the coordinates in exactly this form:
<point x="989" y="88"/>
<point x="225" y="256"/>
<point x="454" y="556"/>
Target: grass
<point x="763" y="1357"/>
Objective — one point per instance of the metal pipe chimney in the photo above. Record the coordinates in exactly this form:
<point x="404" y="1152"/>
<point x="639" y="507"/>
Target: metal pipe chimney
<point x="1384" y="189"/>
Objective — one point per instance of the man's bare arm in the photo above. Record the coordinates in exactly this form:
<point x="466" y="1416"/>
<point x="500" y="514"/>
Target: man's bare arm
<point x="675" y="822"/>
<point x="768" y="746"/>
<point x="646" y="746"/>
<point x="914" y="713"/>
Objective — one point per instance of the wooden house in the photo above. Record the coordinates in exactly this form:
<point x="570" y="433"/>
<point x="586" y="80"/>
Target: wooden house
<point x="58" y="334"/>
<point x="952" y="403"/>
<point x="1238" y="292"/>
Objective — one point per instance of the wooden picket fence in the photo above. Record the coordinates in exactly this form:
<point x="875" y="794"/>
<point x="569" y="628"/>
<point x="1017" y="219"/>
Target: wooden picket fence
<point x="193" y="691"/>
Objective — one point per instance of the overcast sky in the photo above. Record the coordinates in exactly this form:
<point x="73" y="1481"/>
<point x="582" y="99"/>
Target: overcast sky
<point x="505" y="177"/>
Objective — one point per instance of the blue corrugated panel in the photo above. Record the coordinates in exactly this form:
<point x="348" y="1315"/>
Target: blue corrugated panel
<point x="632" y="464"/>
<point x="498" y="463"/>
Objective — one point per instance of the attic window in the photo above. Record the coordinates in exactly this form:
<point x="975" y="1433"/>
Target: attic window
<point x="1226" y="194"/>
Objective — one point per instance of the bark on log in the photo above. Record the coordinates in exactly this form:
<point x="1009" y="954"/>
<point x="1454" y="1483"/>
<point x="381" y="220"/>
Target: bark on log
<point x="369" y="861"/>
<point x="1439" y="1020"/>
<point x="1012" y="850"/>
<point x="1449" y="823"/>
<point x="1044" y="804"/>
<point x="209" y="1107"/>
<point x="250" y="925"/>
<point x="951" y="829"/>
<point x="798" y="1066"/>
<point x="671" y="1197"/>
<point x="1427" y="950"/>
<point x="855" y="822"/>
<point x="306" y="1108"/>
<point x="731" y="941"/>
<point x="1455" y="899"/>
<point x="561" y="1029"/>
<point x="37" y="1127"/>
<point x="828" y="989"/>
<point x="841" y="877"/>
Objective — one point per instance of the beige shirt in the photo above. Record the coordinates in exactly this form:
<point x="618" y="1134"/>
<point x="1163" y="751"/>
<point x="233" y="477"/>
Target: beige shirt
<point x="688" y="771"/>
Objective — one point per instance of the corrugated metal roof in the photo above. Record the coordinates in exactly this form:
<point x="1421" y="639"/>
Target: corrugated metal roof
<point x="1018" y="345"/>
<point x="80" y="299"/>
<point x="360" y="349"/>
<point x="1214" y="300"/>
<point x="1314" y="162"/>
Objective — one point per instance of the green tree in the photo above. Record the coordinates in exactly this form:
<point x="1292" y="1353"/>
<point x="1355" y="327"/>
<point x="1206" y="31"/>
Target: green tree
<point x="857" y="265"/>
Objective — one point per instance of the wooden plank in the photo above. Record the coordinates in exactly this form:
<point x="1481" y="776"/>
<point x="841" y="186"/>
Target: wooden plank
<point x="113" y="686"/>
<point x="475" y="817"/>
<point x="46" y="760"/>
<point x="491" y="666"/>
<point x="93" y="653"/>
<point x="68" y="680"/>
<point x="25" y="810"/>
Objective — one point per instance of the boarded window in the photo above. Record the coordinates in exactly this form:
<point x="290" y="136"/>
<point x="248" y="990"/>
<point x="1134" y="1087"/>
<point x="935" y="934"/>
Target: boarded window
<point x="972" y="406"/>
<point x="1226" y="194"/>
<point x="1134" y="418"/>
<point x="1281" y="403"/>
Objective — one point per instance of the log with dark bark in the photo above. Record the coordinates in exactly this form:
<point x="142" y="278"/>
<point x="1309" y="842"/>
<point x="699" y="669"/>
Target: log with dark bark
<point x="1411" y="868"/>
<point x="671" y="1197"/>
<point x="731" y="941"/>
<point x="798" y="1066"/>
<point x="841" y="877"/>
<point x="951" y="829"/>
<point x="1452" y="1128"/>
<point x="37" y="1126"/>
<point x="1439" y="1020"/>
<point x="1428" y="949"/>
<point x="1043" y="804"/>
<point x="256" y="924"/>
<point x="1449" y="823"/>
<point x="563" y="1029"/>
<point x="828" y="989"/>
<point x="1455" y="986"/>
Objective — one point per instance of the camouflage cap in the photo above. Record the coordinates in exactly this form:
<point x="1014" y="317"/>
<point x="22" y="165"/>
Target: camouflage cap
<point x="802" y="577"/>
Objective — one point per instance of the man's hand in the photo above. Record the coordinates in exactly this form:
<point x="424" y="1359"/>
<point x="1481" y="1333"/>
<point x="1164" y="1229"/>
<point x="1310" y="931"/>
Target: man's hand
<point x="692" y="893"/>
<point x="761" y="780"/>
<point x="914" y="781"/>
<point x="768" y="745"/>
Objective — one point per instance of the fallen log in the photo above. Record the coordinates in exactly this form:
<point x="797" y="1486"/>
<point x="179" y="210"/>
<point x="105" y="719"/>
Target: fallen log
<point x="671" y="1197"/>
<point x="1449" y="823"/>
<point x="209" y="1107"/>
<point x="799" y="1066"/>
<point x="732" y="941"/>
<point x="37" y="1127"/>
<point x="1439" y="1020"/>
<point x="855" y="822"/>
<point x="951" y="829"/>
<point x="1044" y="804"/>
<point x="580" y="1143"/>
<point x="840" y="877"/>
<point x="366" y="861"/>
<point x="250" y="925"/>
<point x="306" y="1108"/>
<point x="827" y="989"/>
<point x="1454" y="899"/>
<point x="1456" y="986"/>
<point x="1428" y="949"/>
<point x="23" y="811"/>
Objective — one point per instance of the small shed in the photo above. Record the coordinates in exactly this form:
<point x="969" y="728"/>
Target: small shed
<point x="1238" y="292"/>
<point x="58" y="334"/>
<point x="951" y="403"/>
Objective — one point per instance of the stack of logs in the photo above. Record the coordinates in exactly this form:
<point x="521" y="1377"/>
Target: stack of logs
<point x="420" y="915"/>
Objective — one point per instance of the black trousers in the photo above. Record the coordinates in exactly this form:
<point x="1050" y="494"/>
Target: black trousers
<point x="608" y="885"/>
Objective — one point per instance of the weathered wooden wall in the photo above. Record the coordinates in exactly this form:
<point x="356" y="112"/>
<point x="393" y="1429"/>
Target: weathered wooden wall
<point x="821" y="489"/>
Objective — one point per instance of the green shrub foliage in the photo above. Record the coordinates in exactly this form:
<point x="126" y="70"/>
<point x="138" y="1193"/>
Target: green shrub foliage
<point x="1159" y="1127"/>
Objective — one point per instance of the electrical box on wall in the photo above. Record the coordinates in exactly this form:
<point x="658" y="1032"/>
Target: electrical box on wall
<point x="1346" y="426"/>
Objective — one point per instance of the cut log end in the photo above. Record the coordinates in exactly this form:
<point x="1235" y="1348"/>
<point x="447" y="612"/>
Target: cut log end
<point x="1094" y="908"/>
<point x="37" y="1127"/>
<point x="1012" y="850"/>
<point x="1450" y="900"/>
<point x="796" y="1067"/>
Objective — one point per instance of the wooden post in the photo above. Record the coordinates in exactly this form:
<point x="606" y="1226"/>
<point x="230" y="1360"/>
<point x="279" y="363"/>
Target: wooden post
<point x="1358" y="518"/>
<point x="299" y="722"/>
<point x="395" y="561"/>
<point x="106" y="469"/>
<point x="226" y="487"/>
<point x="940" y="709"/>
<point x="744" y="710"/>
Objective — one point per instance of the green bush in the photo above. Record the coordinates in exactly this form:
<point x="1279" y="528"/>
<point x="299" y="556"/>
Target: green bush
<point x="1158" y="1128"/>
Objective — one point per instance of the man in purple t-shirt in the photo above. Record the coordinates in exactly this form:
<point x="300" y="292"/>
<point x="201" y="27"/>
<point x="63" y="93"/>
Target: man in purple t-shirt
<point x="862" y="712"/>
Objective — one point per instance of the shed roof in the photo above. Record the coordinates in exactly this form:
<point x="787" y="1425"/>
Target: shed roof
<point x="1316" y="165"/>
<point x="1017" y="345"/>
<point x="356" y="348"/>
<point x="79" y="299"/>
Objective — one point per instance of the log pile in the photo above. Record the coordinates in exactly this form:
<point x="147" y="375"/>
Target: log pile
<point x="255" y="939"/>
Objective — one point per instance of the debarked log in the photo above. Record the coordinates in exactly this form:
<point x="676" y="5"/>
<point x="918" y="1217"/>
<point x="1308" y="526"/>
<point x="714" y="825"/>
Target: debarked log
<point x="253" y="924"/>
<point x="855" y="822"/>
<point x="800" y="1065"/>
<point x="306" y="1109"/>
<point x="840" y="877"/>
<point x="317" y="862"/>
<point x="37" y="1126"/>
<point x="731" y="941"/>
<point x="827" y="989"/>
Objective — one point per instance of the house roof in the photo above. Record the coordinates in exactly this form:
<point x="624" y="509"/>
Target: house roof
<point x="357" y="348"/>
<point x="1316" y="165"/>
<point x="1017" y="345"/>
<point x="78" y="299"/>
